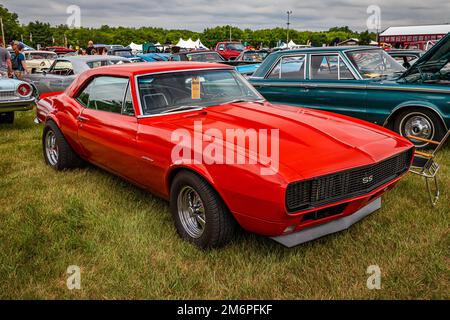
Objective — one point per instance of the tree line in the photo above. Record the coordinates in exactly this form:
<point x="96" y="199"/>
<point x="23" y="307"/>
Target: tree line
<point x="43" y="34"/>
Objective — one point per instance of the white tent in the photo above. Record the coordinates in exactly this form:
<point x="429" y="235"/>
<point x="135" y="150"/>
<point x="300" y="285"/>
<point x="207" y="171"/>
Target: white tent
<point x="190" y="44"/>
<point x="291" y="44"/>
<point x="135" y="47"/>
<point x="200" y="45"/>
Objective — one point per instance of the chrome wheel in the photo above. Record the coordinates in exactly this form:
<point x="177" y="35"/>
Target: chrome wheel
<point x="51" y="148"/>
<point x="419" y="125"/>
<point x="191" y="212"/>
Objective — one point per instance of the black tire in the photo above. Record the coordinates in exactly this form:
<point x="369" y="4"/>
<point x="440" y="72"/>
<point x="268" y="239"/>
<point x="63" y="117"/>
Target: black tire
<point x="436" y="129"/>
<point x="66" y="157"/>
<point x="7" y="117"/>
<point x="219" y="223"/>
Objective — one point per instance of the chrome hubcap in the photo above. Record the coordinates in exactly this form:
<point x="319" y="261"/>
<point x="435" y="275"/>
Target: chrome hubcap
<point x="191" y="212"/>
<point x="51" y="148"/>
<point x="419" y="125"/>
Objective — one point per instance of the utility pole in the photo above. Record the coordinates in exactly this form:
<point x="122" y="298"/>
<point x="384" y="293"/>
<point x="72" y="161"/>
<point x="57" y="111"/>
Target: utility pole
<point x="3" y="32"/>
<point x="288" y="24"/>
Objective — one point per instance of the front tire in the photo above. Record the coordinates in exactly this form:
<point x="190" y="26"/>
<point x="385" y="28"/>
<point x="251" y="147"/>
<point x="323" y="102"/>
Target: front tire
<point x="7" y="117"/>
<point x="200" y="215"/>
<point x="58" y="154"/>
<point x="419" y="122"/>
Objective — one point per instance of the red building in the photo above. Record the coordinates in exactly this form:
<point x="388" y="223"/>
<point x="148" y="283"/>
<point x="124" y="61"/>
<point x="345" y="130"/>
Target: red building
<point x="414" y="37"/>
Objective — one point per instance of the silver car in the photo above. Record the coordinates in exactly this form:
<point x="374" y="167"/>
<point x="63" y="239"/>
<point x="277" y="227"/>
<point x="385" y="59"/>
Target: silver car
<point x="15" y="95"/>
<point x="63" y="70"/>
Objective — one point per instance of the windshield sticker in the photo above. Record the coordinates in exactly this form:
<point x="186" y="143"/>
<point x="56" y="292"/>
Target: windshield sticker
<point x="195" y="88"/>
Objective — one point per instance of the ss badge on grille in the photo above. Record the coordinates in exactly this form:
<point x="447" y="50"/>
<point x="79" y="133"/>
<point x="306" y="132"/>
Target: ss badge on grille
<point x="367" y="179"/>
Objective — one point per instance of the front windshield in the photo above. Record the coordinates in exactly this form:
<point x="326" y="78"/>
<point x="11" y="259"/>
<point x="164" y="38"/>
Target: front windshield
<point x="374" y="63"/>
<point x="205" y="57"/>
<point x="254" y="56"/>
<point x="124" y="53"/>
<point x="236" y="46"/>
<point x="43" y="55"/>
<point x="162" y="93"/>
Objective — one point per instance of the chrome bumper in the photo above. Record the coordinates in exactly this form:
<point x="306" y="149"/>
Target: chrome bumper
<point x="17" y="105"/>
<point x="305" y="235"/>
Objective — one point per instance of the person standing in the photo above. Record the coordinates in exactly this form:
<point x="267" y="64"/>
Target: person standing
<point x="90" y="48"/>
<point x="18" y="61"/>
<point x="5" y="62"/>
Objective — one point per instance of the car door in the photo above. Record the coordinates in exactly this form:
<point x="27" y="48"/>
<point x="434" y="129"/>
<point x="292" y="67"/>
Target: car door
<point x="286" y="82"/>
<point x="335" y="87"/>
<point x="107" y="125"/>
<point x="55" y="79"/>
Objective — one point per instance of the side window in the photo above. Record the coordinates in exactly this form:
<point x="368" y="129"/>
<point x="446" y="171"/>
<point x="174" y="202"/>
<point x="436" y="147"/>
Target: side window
<point x="329" y="67"/>
<point x="127" y="108"/>
<point x="62" y="68"/>
<point x="106" y="94"/>
<point x="289" y="68"/>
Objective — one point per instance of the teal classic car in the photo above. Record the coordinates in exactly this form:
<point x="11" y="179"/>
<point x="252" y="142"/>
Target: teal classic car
<point x="366" y="83"/>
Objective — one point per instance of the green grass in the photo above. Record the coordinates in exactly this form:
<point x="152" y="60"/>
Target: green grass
<point x="125" y="243"/>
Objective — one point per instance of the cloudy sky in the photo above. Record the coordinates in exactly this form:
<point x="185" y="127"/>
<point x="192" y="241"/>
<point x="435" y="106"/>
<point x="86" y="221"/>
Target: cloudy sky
<point x="255" y="14"/>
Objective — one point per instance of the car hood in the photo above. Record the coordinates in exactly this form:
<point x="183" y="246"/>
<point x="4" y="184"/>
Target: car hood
<point x="311" y="143"/>
<point x="438" y="55"/>
<point x="7" y="84"/>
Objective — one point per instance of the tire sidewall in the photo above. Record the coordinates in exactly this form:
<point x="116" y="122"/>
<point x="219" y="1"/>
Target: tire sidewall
<point x="197" y="184"/>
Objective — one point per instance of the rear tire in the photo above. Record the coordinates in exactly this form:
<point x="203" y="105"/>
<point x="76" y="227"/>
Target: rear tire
<point x="7" y="117"/>
<point x="200" y="215"/>
<point x="419" y="122"/>
<point x="58" y="154"/>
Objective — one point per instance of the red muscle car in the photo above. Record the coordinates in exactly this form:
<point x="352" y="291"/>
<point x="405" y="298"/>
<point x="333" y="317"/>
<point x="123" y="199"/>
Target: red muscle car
<point x="166" y="127"/>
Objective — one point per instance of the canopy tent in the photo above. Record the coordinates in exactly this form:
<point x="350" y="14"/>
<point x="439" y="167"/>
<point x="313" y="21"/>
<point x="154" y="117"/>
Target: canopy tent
<point x="291" y="44"/>
<point x="135" y="47"/>
<point x="190" y="44"/>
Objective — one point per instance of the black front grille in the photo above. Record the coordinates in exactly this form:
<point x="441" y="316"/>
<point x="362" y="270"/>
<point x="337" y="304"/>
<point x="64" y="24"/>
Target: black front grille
<point x="320" y="191"/>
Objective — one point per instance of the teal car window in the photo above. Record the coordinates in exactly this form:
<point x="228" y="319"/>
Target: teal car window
<point x="374" y="63"/>
<point x="329" y="67"/>
<point x="289" y="68"/>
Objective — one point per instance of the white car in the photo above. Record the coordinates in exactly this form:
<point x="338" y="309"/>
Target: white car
<point x="38" y="60"/>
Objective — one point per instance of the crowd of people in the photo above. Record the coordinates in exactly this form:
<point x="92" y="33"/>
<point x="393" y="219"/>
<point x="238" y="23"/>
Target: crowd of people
<point x="12" y="65"/>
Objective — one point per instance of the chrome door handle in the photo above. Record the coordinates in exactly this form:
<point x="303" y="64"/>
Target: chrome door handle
<point x="81" y="118"/>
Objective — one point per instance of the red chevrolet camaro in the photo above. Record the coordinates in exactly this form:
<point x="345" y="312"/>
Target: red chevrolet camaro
<point x="200" y="136"/>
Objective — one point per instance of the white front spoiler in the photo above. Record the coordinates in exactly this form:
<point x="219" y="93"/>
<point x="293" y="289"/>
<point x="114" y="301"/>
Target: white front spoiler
<point x="305" y="235"/>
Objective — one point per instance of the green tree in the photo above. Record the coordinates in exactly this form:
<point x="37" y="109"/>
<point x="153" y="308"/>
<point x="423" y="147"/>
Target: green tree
<point x="11" y="24"/>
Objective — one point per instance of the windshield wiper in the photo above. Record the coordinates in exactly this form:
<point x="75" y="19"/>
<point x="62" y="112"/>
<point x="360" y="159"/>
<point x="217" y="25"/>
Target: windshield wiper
<point x="261" y="101"/>
<point x="180" y="108"/>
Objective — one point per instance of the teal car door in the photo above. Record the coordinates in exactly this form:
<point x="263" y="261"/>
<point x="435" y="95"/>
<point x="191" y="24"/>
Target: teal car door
<point x="285" y="82"/>
<point x="334" y="86"/>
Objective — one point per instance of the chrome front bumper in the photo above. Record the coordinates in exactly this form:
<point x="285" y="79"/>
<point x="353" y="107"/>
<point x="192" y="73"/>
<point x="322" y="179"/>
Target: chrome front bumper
<point x="17" y="105"/>
<point x="305" y="235"/>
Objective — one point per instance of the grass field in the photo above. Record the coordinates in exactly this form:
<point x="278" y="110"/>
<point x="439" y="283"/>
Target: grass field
<point x="125" y="243"/>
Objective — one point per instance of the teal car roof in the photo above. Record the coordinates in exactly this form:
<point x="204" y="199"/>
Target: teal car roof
<point x="268" y="62"/>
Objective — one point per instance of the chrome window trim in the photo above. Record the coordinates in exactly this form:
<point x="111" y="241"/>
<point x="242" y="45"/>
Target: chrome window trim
<point x="280" y="58"/>
<point x="136" y="83"/>
<point x="356" y="75"/>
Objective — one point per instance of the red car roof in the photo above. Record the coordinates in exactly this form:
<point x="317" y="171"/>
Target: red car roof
<point x="129" y="69"/>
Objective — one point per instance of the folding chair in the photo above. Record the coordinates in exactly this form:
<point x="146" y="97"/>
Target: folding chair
<point x="425" y="166"/>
